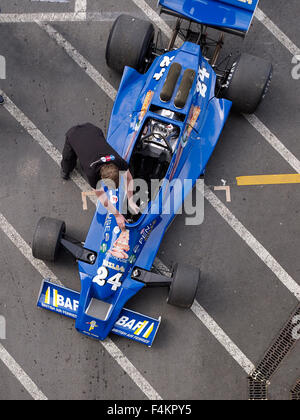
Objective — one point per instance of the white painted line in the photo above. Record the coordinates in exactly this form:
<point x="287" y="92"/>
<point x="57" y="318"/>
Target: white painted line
<point x="253" y="243"/>
<point x="58" y="17"/>
<point x="157" y="20"/>
<point x="152" y="15"/>
<point x="223" y="338"/>
<point x="231" y="348"/>
<point x="61" y="17"/>
<point x="279" y="35"/>
<point x="8" y="360"/>
<point x="20" y="375"/>
<point x="24" y="248"/>
<point x="41" y="17"/>
<point x="274" y="142"/>
<point x="80" y="6"/>
<point x="131" y="371"/>
<point x="45" y="144"/>
<point x="87" y="67"/>
<point x="51" y="1"/>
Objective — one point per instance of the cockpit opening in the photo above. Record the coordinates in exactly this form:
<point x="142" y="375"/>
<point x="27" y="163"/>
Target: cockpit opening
<point x="151" y="158"/>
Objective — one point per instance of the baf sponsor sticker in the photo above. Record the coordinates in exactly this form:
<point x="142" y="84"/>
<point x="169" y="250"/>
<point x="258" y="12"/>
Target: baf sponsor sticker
<point x="58" y="299"/>
<point x="136" y="327"/>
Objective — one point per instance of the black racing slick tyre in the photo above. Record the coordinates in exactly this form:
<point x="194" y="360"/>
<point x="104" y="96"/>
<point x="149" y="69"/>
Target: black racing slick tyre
<point x="184" y="286"/>
<point x="46" y="239"/>
<point x="248" y="83"/>
<point x="129" y="43"/>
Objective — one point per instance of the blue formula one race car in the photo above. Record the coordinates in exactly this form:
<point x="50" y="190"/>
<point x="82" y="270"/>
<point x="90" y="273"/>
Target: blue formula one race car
<point x="168" y="115"/>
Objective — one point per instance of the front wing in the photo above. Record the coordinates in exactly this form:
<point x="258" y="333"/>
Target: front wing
<point x="130" y="324"/>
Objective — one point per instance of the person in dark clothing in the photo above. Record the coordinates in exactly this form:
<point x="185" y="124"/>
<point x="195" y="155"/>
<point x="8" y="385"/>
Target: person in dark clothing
<point x="99" y="161"/>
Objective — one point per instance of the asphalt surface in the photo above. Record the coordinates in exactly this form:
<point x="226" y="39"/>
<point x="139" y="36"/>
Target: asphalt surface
<point x="242" y="295"/>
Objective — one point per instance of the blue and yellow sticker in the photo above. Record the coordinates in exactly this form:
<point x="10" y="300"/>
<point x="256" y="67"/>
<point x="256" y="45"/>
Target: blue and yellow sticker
<point x="136" y="327"/>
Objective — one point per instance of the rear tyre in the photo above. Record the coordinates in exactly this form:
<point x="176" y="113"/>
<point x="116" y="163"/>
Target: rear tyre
<point x="248" y="83"/>
<point x="184" y="286"/>
<point x="46" y="239"/>
<point x="129" y="43"/>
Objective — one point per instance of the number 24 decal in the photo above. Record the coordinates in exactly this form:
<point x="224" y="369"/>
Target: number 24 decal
<point x="201" y="85"/>
<point x="101" y="278"/>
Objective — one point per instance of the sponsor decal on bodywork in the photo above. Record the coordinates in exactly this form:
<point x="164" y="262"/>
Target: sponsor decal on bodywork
<point x="93" y="325"/>
<point x="58" y="299"/>
<point x="121" y="246"/>
<point x="137" y="327"/>
<point x="138" y="122"/>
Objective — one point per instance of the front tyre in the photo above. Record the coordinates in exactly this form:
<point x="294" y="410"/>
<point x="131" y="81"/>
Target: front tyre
<point x="184" y="286"/>
<point x="46" y="239"/>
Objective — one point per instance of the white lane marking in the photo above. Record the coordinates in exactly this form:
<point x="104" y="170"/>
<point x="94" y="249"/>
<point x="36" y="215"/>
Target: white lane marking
<point x="6" y="358"/>
<point x="87" y="67"/>
<point x="61" y="17"/>
<point x="51" y="1"/>
<point x="81" y="7"/>
<point x="152" y="15"/>
<point x="129" y="368"/>
<point x="41" y="17"/>
<point x="36" y="134"/>
<point x="24" y="248"/>
<point x="253" y="243"/>
<point x="58" y="17"/>
<point x="273" y="141"/>
<point x="20" y="375"/>
<point x="214" y="328"/>
<point x="278" y="34"/>
<point x="223" y="338"/>
<point x="45" y="144"/>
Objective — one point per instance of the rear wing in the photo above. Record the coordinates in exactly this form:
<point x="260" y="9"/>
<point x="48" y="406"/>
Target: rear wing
<point x="233" y="16"/>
